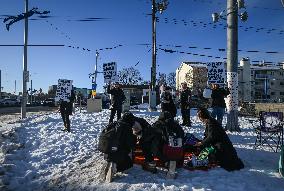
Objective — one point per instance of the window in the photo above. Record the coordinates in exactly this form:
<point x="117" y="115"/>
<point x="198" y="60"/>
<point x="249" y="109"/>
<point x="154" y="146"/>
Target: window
<point x="281" y="83"/>
<point x="272" y="83"/>
<point x="281" y="93"/>
<point x="272" y="93"/>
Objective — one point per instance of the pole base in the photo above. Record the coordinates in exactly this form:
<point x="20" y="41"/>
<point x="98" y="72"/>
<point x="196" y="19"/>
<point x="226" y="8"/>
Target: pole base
<point x="152" y="101"/>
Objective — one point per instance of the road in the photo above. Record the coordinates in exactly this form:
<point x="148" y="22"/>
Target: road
<point x="17" y="110"/>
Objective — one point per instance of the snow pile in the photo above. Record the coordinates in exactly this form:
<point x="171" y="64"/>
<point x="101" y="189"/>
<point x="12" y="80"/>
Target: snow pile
<point x="37" y="155"/>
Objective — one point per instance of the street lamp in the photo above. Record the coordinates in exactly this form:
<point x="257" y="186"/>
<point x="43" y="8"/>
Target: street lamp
<point x="240" y="4"/>
<point x="161" y="6"/>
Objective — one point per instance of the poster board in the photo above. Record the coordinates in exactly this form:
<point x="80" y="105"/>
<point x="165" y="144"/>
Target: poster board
<point x="216" y="73"/>
<point x="110" y="72"/>
<point x="63" y="91"/>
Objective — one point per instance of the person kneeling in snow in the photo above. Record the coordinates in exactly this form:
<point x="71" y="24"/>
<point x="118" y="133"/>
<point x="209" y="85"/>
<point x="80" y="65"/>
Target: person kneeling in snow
<point x="167" y="145"/>
<point x="128" y="130"/>
<point x="216" y="136"/>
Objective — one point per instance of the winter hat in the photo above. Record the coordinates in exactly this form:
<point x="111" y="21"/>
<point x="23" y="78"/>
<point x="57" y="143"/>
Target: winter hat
<point x="203" y="113"/>
<point x="136" y="128"/>
<point x="128" y="117"/>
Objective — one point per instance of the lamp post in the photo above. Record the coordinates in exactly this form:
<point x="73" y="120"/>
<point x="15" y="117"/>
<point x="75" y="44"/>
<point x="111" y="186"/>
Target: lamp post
<point x="0" y="85"/>
<point x="233" y="7"/>
<point x="155" y="7"/>
<point x="25" y="57"/>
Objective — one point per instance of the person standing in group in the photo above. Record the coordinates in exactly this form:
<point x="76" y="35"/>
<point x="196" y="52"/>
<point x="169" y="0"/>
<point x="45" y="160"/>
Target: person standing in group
<point x="117" y="99"/>
<point x="218" y="102"/>
<point x="185" y="97"/>
<point x="65" y="109"/>
<point x="167" y="103"/>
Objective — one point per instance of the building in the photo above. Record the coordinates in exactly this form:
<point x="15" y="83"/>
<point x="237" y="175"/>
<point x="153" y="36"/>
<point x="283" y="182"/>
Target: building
<point x="256" y="82"/>
<point x="137" y="92"/>
<point x="194" y="74"/>
<point x="266" y="82"/>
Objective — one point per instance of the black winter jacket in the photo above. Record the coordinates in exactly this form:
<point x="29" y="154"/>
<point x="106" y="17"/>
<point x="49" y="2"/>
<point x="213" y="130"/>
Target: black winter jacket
<point x="185" y="96"/>
<point x="218" y="96"/>
<point x="226" y="154"/>
<point x="117" y="97"/>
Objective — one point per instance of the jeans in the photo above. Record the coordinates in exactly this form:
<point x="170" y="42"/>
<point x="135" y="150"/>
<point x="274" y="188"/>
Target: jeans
<point x="219" y="113"/>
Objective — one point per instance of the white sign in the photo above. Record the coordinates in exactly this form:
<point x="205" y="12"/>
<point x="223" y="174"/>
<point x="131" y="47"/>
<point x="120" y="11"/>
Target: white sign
<point x="63" y="91"/>
<point x="110" y="72"/>
<point x="216" y="73"/>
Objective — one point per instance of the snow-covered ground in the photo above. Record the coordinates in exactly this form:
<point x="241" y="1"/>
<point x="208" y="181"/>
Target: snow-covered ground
<point x="36" y="155"/>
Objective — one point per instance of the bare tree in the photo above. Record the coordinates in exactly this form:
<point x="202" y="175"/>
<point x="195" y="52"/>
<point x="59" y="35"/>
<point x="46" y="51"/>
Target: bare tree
<point x="130" y="76"/>
<point x="171" y="80"/>
<point x="162" y="79"/>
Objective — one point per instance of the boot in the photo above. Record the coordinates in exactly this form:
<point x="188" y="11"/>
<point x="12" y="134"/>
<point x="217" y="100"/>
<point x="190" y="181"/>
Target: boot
<point x="150" y="166"/>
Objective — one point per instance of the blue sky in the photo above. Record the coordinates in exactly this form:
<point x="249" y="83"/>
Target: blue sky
<point x="128" y="24"/>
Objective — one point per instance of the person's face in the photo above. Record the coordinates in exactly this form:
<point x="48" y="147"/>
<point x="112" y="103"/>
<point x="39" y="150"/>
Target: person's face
<point x="215" y="86"/>
<point x="116" y="85"/>
<point x="184" y="86"/>
<point x="200" y="118"/>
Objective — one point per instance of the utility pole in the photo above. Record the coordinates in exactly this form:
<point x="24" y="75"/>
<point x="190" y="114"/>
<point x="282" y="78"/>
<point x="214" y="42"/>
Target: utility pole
<point x="0" y="85"/>
<point x="232" y="65"/>
<point x="31" y="101"/>
<point x="25" y="71"/>
<point x="15" y="87"/>
<point x="152" y="96"/>
<point x="96" y="71"/>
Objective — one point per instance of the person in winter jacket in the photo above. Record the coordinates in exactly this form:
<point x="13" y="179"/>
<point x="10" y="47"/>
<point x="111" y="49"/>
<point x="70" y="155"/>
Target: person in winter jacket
<point x="218" y="102"/>
<point x="65" y="109"/>
<point x="117" y="99"/>
<point x="125" y="142"/>
<point x="185" y="96"/>
<point x="167" y="103"/>
<point x="165" y="127"/>
<point x="216" y="136"/>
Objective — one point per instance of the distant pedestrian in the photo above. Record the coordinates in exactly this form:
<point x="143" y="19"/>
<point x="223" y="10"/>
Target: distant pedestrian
<point x="218" y="102"/>
<point x="65" y="109"/>
<point x="167" y="103"/>
<point x="117" y="99"/>
<point x="185" y="99"/>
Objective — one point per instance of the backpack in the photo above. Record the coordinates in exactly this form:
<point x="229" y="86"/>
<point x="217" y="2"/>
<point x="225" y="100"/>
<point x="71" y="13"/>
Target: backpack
<point x="108" y="139"/>
<point x="281" y="161"/>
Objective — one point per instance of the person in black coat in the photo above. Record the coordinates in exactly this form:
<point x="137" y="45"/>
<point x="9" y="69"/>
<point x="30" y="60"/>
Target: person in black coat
<point x="216" y="136"/>
<point x="167" y="103"/>
<point x="218" y="102"/>
<point x="65" y="109"/>
<point x="117" y="99"/>
<point x="165" y="127"/>
<point x="125" y="142"/>
<point x="130" y="131"/>
<point x="185" y="96"/>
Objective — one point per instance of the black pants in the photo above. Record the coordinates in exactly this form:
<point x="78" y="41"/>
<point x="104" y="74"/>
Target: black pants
<point x="66" y="120"/>
<point x="114" y="110"/>
<point x="147" y="151"/>
<point x="185" y="113"/>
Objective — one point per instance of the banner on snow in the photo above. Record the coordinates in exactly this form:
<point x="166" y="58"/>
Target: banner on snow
<point x="216" y="73"/>
<point x="63" y="91"/>
<point x="110" y="72"/>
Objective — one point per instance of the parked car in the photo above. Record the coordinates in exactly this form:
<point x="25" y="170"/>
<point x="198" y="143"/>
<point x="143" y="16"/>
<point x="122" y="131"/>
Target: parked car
<point x="49" y="102"/>
<point x="10" y="102"/>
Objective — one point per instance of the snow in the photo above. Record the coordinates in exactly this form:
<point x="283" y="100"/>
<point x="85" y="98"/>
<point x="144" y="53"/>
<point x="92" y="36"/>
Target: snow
<point x="36" y="155"/>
